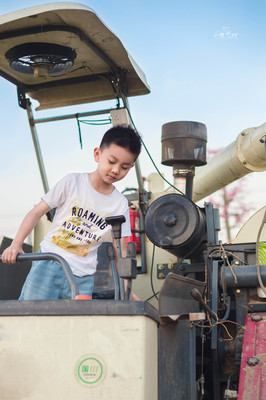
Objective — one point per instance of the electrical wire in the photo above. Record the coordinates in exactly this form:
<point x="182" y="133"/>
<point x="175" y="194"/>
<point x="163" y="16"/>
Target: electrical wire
<point x="104" y="121"/>
<point x="151" y="276"/>
<point x="150" y="157"/>
<point x="211" y="326"/>
<point x="227" y="252"/>
<point x="227" y="261"/>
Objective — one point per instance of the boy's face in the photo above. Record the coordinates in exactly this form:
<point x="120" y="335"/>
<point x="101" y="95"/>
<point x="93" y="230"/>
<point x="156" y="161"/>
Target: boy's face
<point x="114" y="162"/>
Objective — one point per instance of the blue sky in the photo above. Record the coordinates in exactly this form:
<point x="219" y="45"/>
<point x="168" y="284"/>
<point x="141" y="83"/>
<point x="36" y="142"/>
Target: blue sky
<point x="204" y="61"/>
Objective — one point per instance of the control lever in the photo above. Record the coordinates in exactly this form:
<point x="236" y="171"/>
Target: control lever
<point x="197" y="296"/>
<point x="127" y="267"/>
<point x="116" y="223"/>
<point x="111" y="256"/>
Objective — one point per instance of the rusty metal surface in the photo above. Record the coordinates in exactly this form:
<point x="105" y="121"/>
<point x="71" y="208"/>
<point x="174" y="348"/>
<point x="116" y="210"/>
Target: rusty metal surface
<point x="252" y="382"/>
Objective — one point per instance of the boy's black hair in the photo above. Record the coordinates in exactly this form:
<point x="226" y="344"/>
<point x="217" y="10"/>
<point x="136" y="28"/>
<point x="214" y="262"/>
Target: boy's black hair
<point x="123" y="136"/>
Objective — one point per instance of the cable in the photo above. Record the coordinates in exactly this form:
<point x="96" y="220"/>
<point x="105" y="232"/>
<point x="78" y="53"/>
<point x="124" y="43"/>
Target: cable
<point x="151" y="297"/>
<point x="257" y="254"/>
<point x="151" y="278"/>
<point x="228" y="252"/>
<point x="150" y="157"/>
<point x="229" y="335"/>
<point x="104" y="121"/>
<point x="79" y="130"/>
<point x="227" y="261"/>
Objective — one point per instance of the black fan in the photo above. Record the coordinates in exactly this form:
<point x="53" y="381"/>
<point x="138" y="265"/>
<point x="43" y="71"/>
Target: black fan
<point x="40" y="59"/>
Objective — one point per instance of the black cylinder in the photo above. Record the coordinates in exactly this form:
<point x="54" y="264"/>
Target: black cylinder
<point x="246" y="276"/>
<point x="184" y="142"/>
<point x="174" y="223"/>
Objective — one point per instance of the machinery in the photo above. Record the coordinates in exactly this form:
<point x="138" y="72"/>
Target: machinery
<point x="198" y="331"/>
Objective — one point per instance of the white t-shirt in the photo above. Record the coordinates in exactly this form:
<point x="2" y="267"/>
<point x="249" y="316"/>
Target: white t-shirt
<point x="79" y="225"/>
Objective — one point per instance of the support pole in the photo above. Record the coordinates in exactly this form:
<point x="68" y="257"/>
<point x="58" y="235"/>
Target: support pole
<point x="37" y="147"/>
<point x="141" y="191"/>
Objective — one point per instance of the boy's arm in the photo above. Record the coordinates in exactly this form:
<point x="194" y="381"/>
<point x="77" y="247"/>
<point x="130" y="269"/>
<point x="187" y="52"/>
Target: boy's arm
<point x="29" y="222"/>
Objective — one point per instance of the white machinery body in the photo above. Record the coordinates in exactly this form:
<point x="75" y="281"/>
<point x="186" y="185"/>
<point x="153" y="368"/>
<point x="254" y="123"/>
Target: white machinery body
<point x="65" y="357"/>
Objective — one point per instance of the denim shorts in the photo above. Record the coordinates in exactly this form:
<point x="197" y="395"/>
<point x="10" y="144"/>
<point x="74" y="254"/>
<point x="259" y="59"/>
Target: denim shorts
<point x="47" y="281"/>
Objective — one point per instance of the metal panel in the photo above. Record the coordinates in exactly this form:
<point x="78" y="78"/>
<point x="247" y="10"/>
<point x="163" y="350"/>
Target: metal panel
<point x="252" y="382"/>
<point x="81" y="357"/>
<point x="175" y="298"/>
<point x="177" y="361"/>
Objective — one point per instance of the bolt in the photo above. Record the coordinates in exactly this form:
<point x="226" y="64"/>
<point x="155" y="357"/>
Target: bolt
<point x="160" y="266"/>
<point x="238" y="291"/>
<point x="252" y="361"/>
<point x="256" y="318"/>
<point x="170" y="219"/>
<point x="244" y="162"/>
<point x="161" y="275"/>
<point x="170" y="266"/>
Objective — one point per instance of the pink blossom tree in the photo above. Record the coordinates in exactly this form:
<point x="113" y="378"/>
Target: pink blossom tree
<point x="230" y="200"/>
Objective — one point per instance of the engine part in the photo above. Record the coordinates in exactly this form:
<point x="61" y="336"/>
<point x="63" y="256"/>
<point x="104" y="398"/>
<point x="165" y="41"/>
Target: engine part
<point x="183" y="148"/>
<point x="174" y="223"/>
<point x="184" y="141"/>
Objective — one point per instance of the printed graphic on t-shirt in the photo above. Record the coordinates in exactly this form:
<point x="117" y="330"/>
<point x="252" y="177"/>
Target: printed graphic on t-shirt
<point x="81" y="232"/>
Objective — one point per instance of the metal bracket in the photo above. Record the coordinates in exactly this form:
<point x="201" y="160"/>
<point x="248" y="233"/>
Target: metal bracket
<point x="22" y="100"/>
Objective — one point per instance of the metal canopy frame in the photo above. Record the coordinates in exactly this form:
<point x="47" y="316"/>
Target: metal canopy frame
<point x="116" y="74"/>
<point x="37" y="148"/>
<point x="26" y="104"/>
<point x="103" y="69"/>
<point x="125" y="79"/>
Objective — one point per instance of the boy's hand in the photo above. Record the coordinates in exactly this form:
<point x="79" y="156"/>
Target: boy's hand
<point x="9" y="255"/>
<point x="134" y="297"/>
<point x="29" y="222"/>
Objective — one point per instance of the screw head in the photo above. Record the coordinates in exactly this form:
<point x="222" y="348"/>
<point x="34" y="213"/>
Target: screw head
<point x="256" y="318"/>
<point x="252" y="361"/>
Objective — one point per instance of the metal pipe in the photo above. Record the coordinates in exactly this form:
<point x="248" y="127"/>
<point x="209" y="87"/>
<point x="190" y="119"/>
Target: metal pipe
<point x="60" y="260"/>
<point x="121" y="280"/>
<point x="129" y="290"/>
<point x="246" y="276"/>
<point x="141" y="191"/>
<point x="245" y="155"/>
<point x="70" y="116"/>
<point x="192" y="363"/>
<point x="111" y="256"/>
<point x="37" y="147"/>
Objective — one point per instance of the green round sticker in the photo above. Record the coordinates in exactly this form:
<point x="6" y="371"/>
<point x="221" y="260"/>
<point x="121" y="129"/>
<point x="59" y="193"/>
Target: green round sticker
<point x="90" y="370"/>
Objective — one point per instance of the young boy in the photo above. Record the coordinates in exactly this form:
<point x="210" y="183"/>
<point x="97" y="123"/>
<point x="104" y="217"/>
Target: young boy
<point x="82" y="203"/>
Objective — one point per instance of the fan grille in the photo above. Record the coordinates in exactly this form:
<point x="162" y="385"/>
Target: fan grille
<point x="40" y="58"/>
